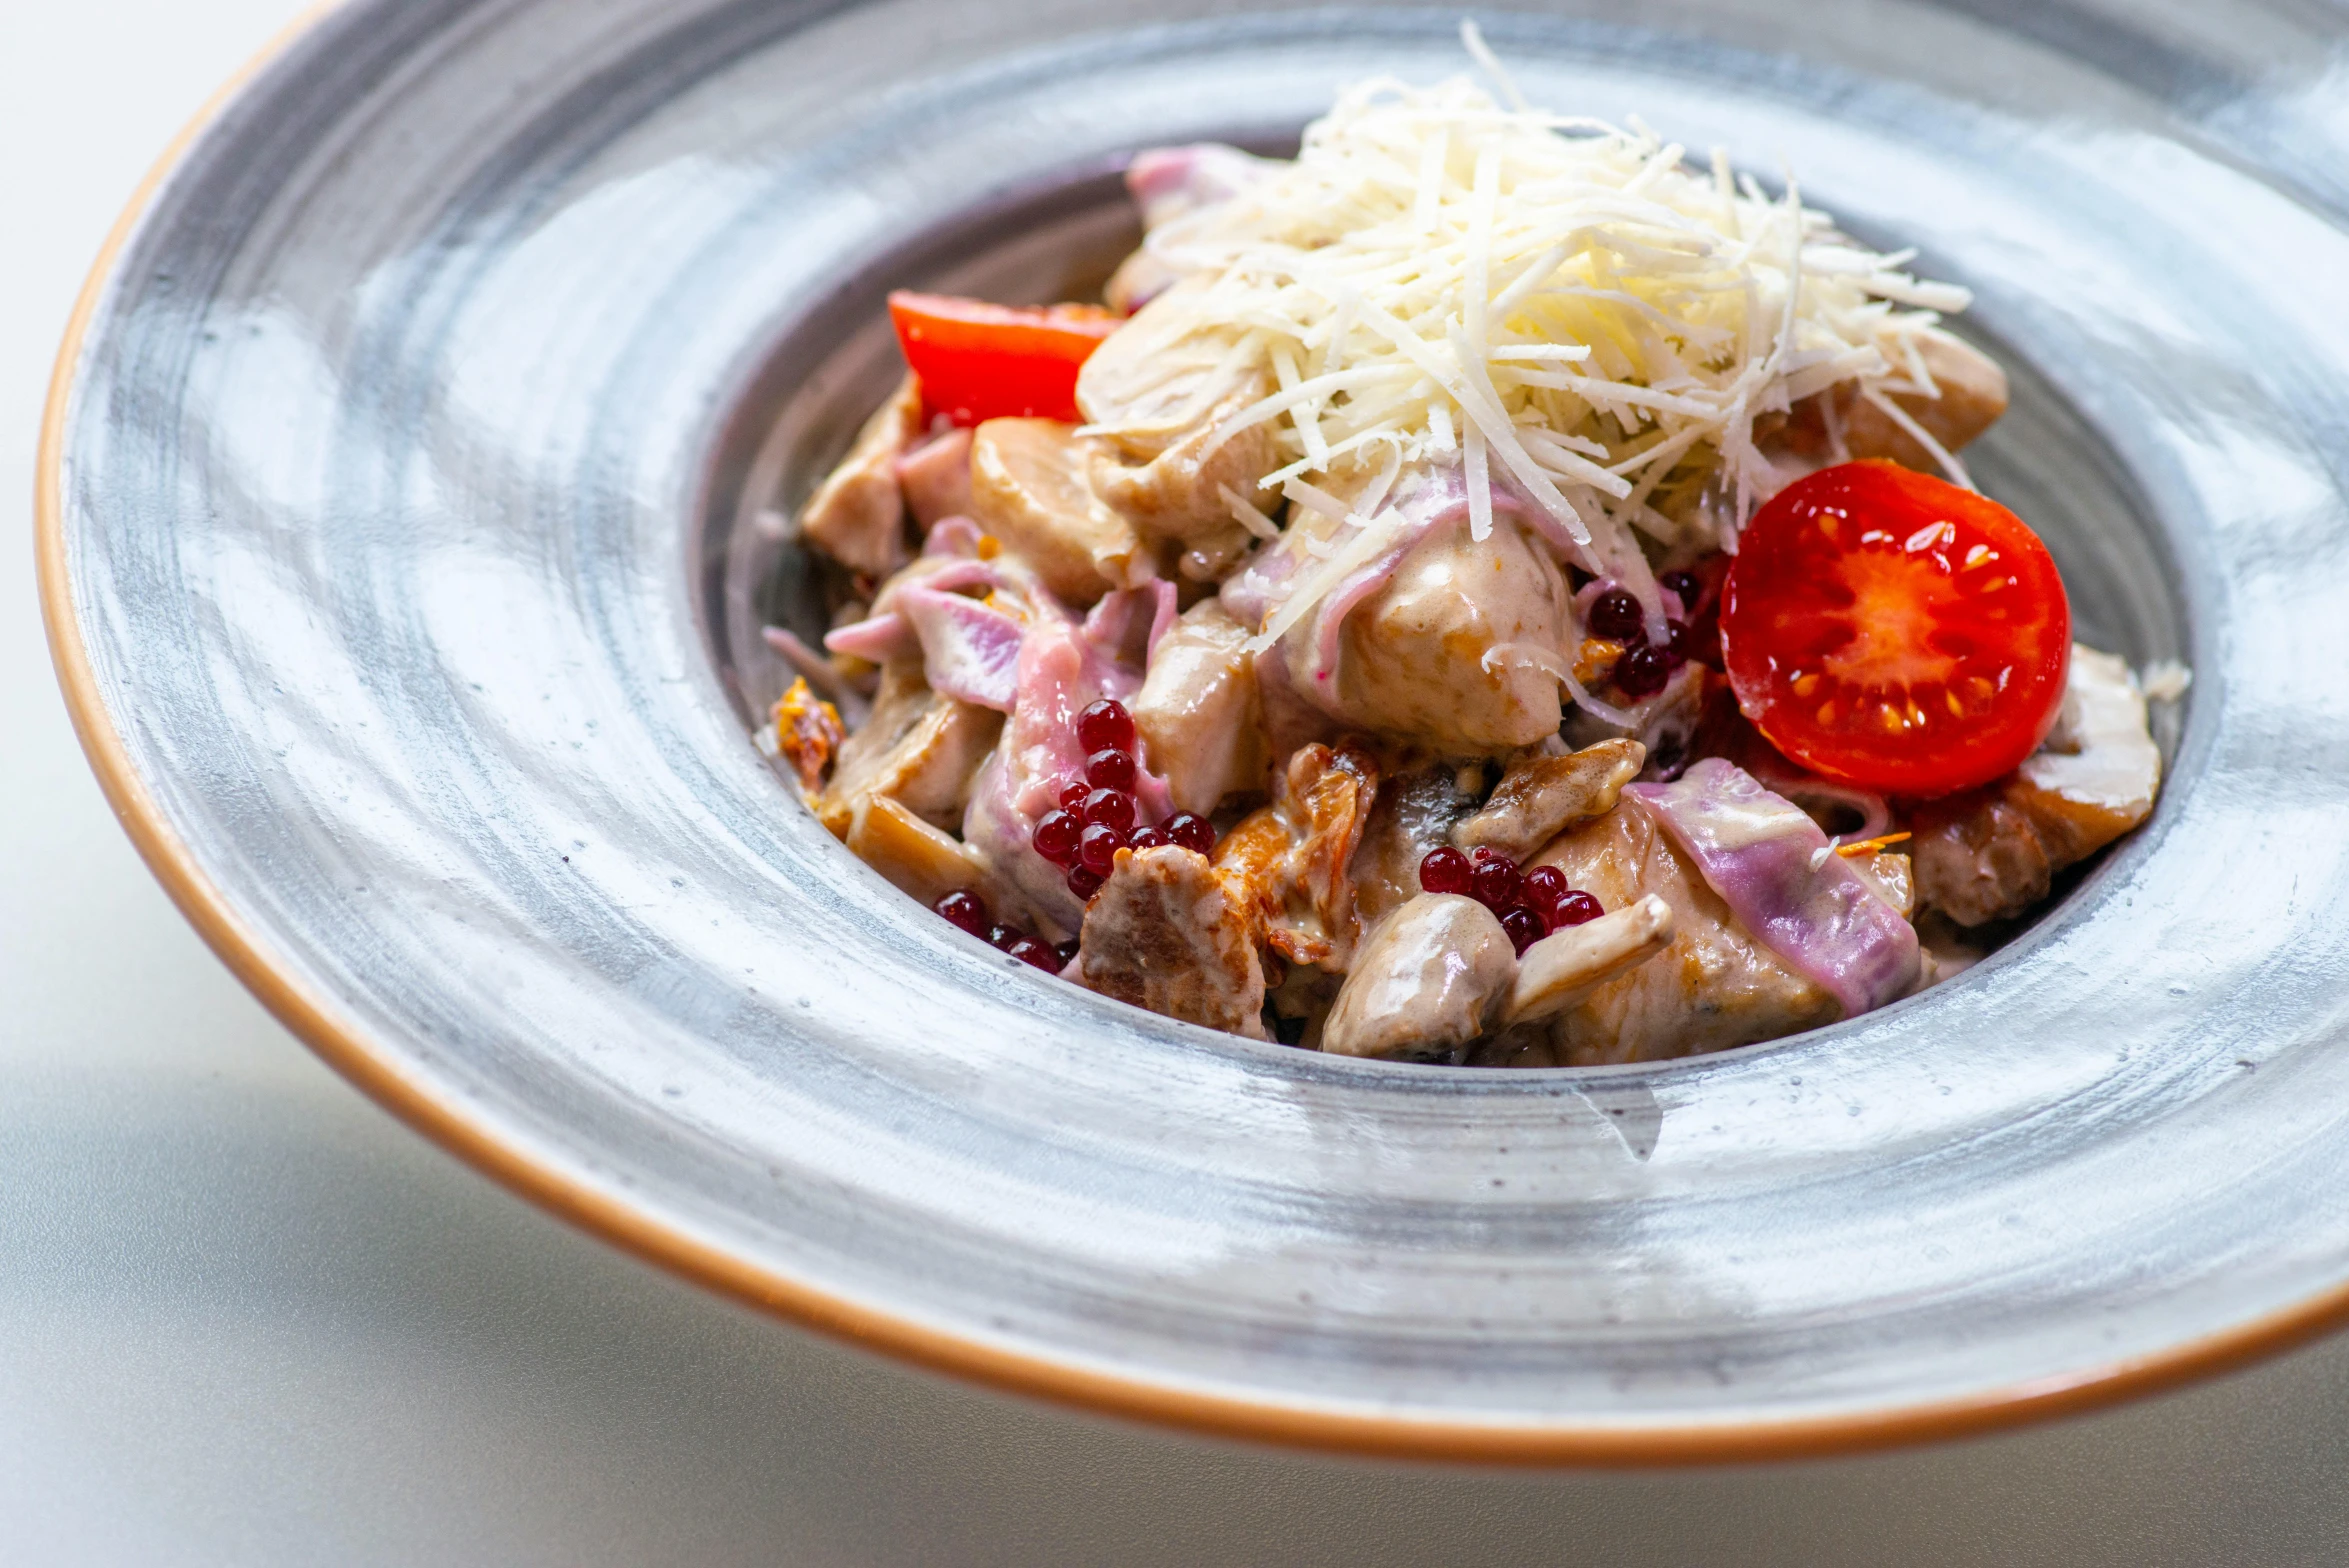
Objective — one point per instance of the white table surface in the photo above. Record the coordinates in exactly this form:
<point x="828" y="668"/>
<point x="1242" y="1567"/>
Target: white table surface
<point x="247" y="1318"/>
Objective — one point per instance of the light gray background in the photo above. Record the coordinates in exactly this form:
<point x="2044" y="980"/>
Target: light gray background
<point x="247" y="1318"/>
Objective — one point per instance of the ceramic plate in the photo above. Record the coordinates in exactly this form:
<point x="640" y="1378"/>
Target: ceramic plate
<point x="410" y="504"/>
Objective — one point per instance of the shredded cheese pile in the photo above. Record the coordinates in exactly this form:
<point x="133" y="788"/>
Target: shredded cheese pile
<point x="1557" y="305"/>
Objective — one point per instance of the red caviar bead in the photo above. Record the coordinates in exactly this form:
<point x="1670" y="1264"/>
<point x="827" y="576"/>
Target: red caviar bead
<point x="1495" y="881"/>
<point x="1576" y="909"/>
<point x="1110" y="809"/>
<point x="1072" y="796"/>
<point x="1445" y="870"/>
<point x="1106" y="726"/>
<point x="1002" y="936"/>
<point x="1148" y="838"/>
<point x="1084" y="883"/>
<point x="1030" y="951"/>
<point x="1524" y="928"/>
<point x="1687" y="585"/>
<point x="1544" y="886"/>
<point x="1055" y="837"/>
<point x="1643" y="671"/>
<point x="1616" y="616"/>
<point x="967" y="910"/>
<point x="1066" y="952"/>
<point x="1097" y="849"/>
<point x="1192" y="831"/>
<point x="1110" y="770"/>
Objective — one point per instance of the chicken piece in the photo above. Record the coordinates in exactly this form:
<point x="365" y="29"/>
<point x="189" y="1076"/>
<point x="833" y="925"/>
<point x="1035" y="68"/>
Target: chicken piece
<point x="1541" y="796"/>
<point x="1164" y="933"/>
<point x="1292" y="859"/>
<point x="1973" y="394"/>
<point x="1201" y="722"/>
<point x="1425" y="983"/>
<point x="917" y="858"/>
<point x="1445" y="654"/>
<point x="1566" y="966"/>
<point x="1992" y="853"/>
<point x="857" y="515"/>
<point x="1416" y="812"/>
<point x="918" y="748"/>
<point x="1175" y="489"/>
<point x="1030" y="490"/>
<point x="1152" y="380"/>
<point x="935" y="477"/>
<point x="808" y="735"/>
<point x="1714" y="986"/>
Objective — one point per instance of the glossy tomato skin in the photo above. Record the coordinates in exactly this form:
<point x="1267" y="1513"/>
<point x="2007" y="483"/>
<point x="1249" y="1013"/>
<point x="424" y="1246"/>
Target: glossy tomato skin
<point x="978" y="361"/>
<point x="1886" y="629"/>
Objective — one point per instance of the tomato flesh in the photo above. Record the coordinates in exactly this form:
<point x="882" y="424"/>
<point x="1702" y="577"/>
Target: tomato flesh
<point x="978" y="361"/>
<point x="1889" y="630"/>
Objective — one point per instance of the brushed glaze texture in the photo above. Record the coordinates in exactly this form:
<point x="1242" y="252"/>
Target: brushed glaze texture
<point x="418" y="499"/>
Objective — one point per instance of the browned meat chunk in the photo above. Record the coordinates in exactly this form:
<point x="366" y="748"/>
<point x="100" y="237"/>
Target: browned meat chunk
<point x="1991" y="854"/>
<point x="918" y="748"/>
<point x="1291" y="859"/>
<point x="857" y="515"/>
<point x="1164" y="934"/>
<point x="1541" y="796"/>
<point x="1198" y="713"/>
<point x="1425" y="983"/>
<point x="1029" y="488"/>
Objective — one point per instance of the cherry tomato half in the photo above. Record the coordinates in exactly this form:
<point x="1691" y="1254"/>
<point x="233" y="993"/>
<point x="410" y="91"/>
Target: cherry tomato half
<point x="1889" y="630"/>
<point x="979" y="361"/>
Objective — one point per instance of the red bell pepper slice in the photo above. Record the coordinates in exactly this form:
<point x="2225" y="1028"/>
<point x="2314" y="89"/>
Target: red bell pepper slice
<point x="978" y="361"/>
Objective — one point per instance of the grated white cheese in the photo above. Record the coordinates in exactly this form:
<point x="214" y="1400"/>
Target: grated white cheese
<point x="1562" y="306"/>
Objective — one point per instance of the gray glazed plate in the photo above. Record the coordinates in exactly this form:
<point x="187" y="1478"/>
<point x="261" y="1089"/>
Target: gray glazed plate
<point x="408" y="505"/>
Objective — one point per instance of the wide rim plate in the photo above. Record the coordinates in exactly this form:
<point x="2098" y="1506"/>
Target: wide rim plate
<point x="389" y="480"/>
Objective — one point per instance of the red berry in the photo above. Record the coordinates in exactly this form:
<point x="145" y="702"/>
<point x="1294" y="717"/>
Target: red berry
<point x="1544" y="886"/>
<point x="1072" y="796"/>
<point x="1643" y="671"/>
<point x="1084" y="883"/>
<point x="1445" y="870"/>
<point x="1495" y="882"/>
<point x="1524" y="927"/>
<point x="1616" y="616"/>
<point x="1055" y="837"/>
<point x="1575" y="909"/>
<point x="1106" y="726"/>
<point x="1110" y="809"/>
<point x="1097" y="849"/>
<point x="1110" y="770"/>
<point x="1148" y="838"/>
<point x="967" y="910"/>
<point x="1192" y="831"/>
<point x="1030" y="951"/>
